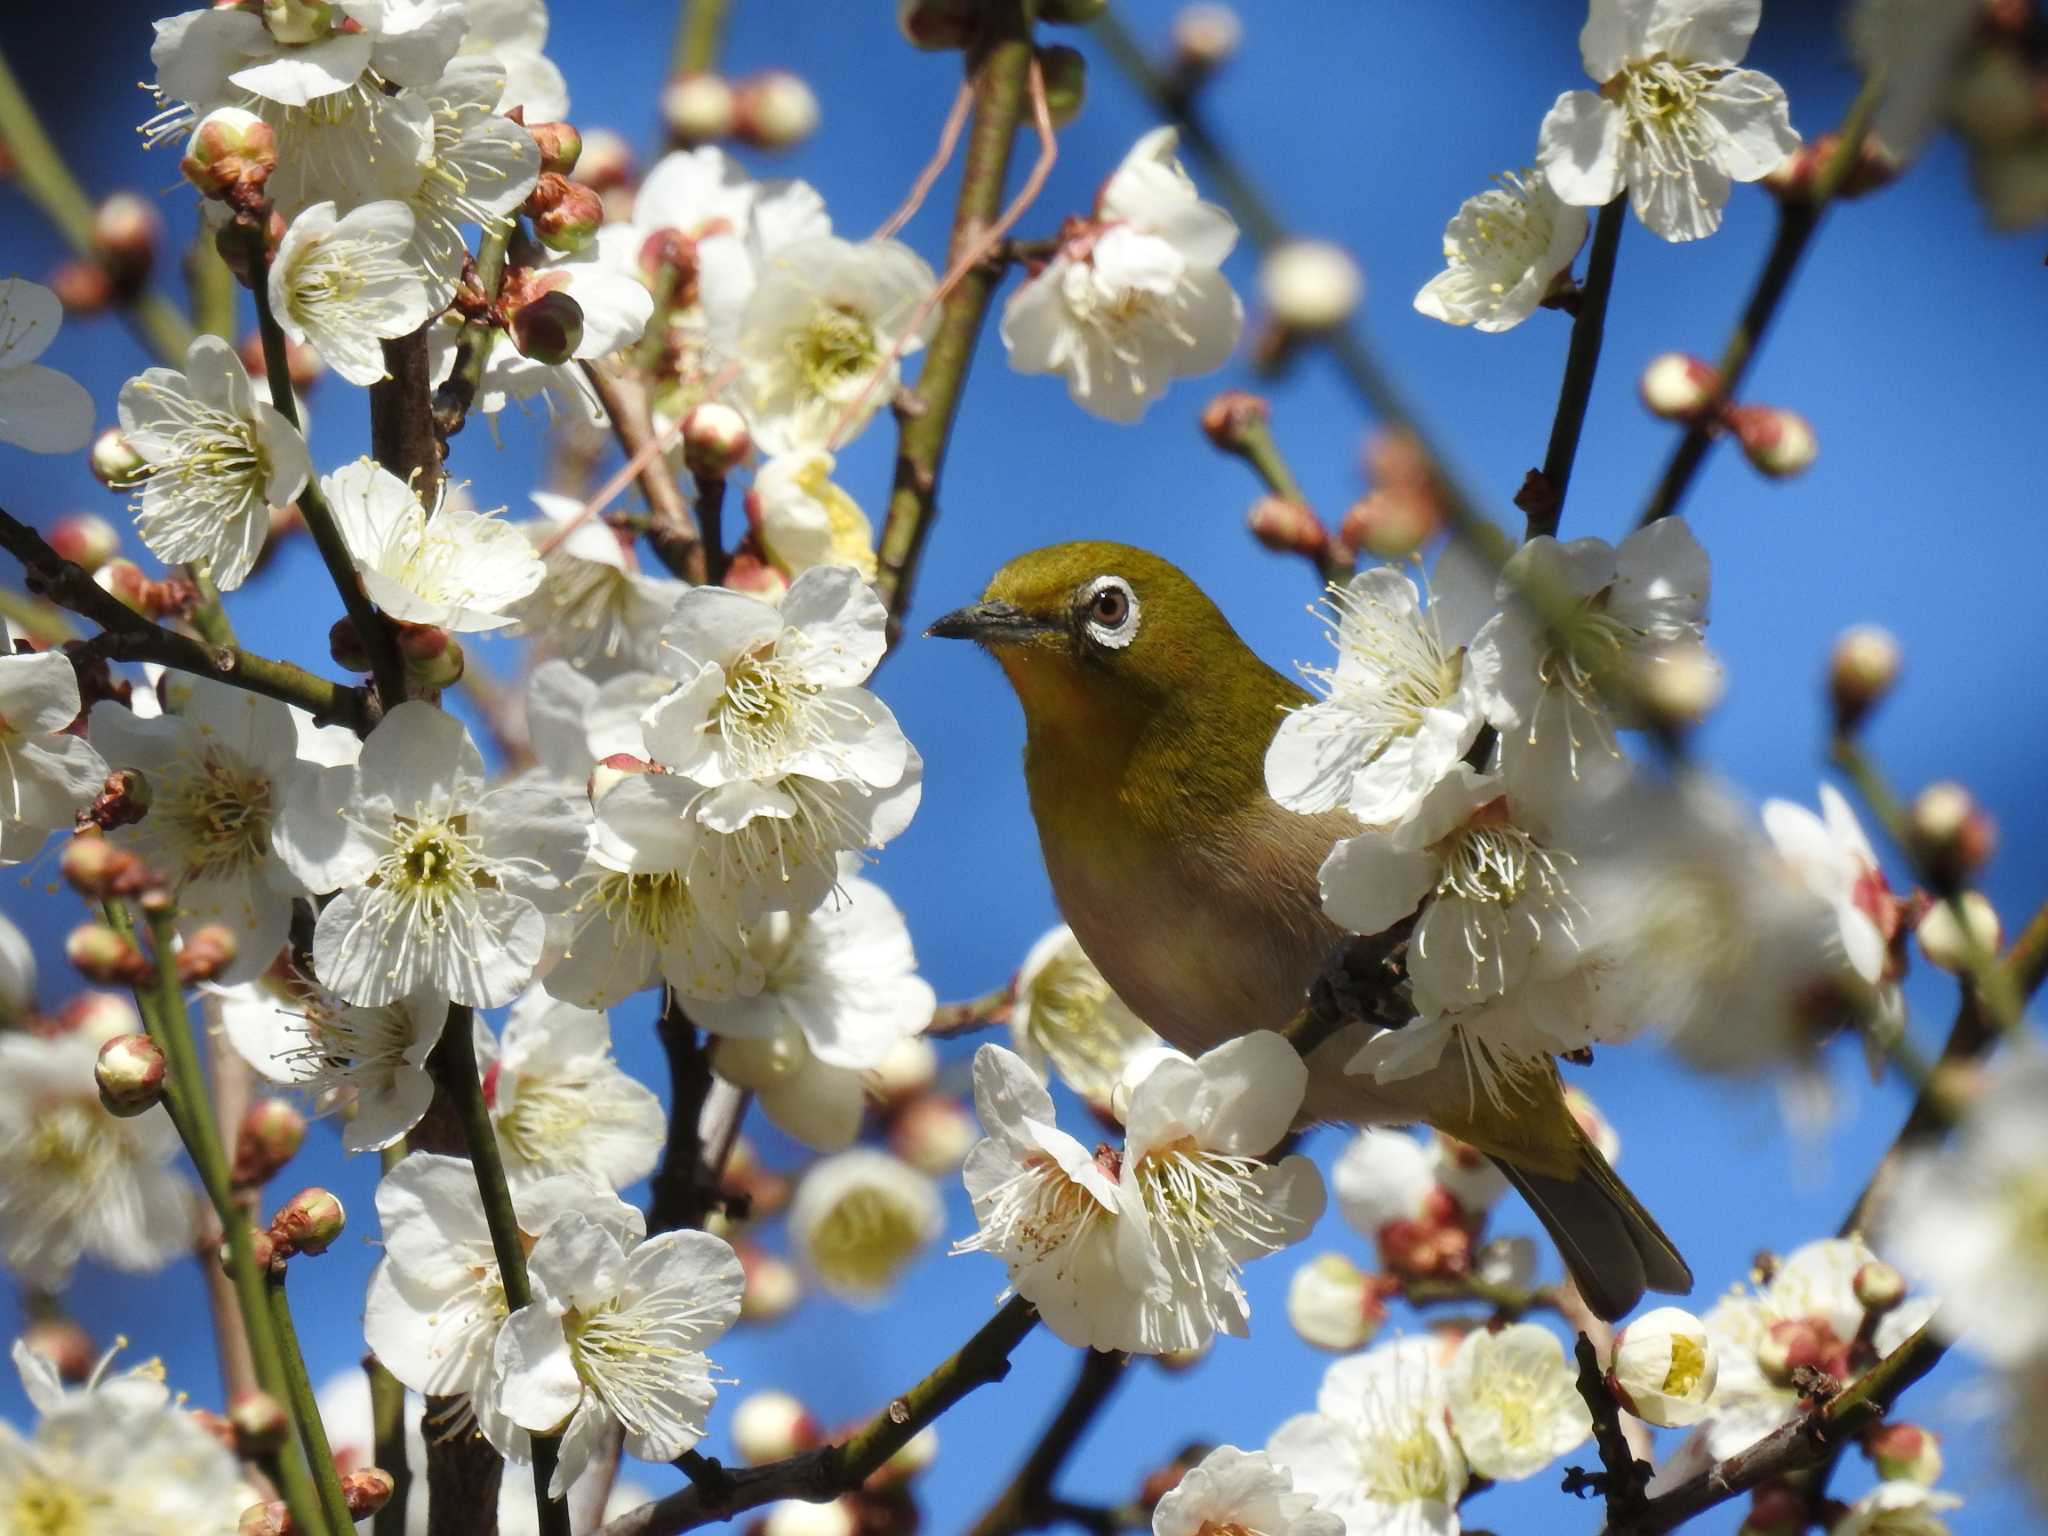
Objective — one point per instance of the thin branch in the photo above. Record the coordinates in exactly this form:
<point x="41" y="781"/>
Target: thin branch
<point x="984" y="1012"/>
<point x="1029" y="1501"/>
<point x="672" y="529"/>
<point x="698" y="35"/>
<point x="677" y="1194"/>
<point x="824" y="1474"/>
<point x="402" y="435"/>
<point x="1589" y="329"/>
<point x="387" y="1428"/>
<point x="1623" y="1477"/>
<point x="1798" y="218"/>
<point x="304" y="1407"/>
<point x="479" y="337"/>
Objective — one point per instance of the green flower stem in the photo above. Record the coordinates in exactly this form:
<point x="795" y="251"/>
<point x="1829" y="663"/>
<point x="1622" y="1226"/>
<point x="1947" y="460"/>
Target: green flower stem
<point x="163" y="1010"/>
<point x="370" y="625"/>
<point x="387" y="1420"/>
<point x="1797" y="221"/>
<point x="698" y="35"/>
<point x="305" y="1410"/>
<point x="1001" y="61"/>
<point x="454" y="1067"/>
<point x="1589" y="328"/>
<point x="39" y="170"/>
<point x="473" y="349"/>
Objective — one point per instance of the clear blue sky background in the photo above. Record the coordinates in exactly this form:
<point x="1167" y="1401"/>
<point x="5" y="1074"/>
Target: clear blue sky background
<point x="1913" y="341"/>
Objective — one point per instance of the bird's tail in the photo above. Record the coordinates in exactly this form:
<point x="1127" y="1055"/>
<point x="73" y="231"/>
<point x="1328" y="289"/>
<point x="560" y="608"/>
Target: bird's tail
<point x="1612" y="1246"/>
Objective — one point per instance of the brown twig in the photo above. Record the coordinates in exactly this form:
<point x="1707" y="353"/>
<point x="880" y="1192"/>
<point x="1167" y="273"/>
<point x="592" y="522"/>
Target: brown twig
<point x="1029" y="1502"/>
<point x="402" y="436"/>
<point x="984" y="1012"/>
<point x="1622" y="1478"/>
<point x="672" y="529"/>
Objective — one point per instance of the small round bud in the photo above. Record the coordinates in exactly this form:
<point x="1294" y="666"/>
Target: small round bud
<point x="1664" y="1367"/>
<point x="1334" y="1304"/>
<point x="85" y="539"/>
<point x="1227" y="419"/>
<point x="909" y="1069"/>
<point x="933" y="25"/>
<point x="96" y="869"/>
<point x="270" y="1135"/>
<point x="115" y="464"/>
<point x="606" y="163"/>
<point x="1776" y="1510"/>
<point x="776" y="110"/>
<point x="1952" y="945"/>
<point x="309" y="1222"/>
<point x="773" y="1287"/>
<point x="433" y="659"/>
<point x="699" y="109"/>
<point x="561" y="146"/>
<point x="769" y="1426"/>
<point x="1904" y="1453"/>
<point x="83" y="287"/>
<point x="608" y="773"/>
<point x="206" y="952"/>
<point x="1777" y="442"/>
<point x="123" y="579"/>
<point x="1288" y="528"/>
<point x="126" y="230"/>
<point x="104" y="956"/>
<point x="123" y="800"/>
<point x="302" y="365"/>
<point x="260" y="1424"/>
<point x="747" y="572"/>
<point x="1311" y="286"/>
<point x="1388" y="525"/>
<point x="1793" y="1345"/>
<point x="271" y="1519"/>
<point x="573" y="221"/>
<point x="794" y="1517"/>
<point x="1677" y="387"/>
<point x="230" y="154"/>
<point x="933" y="1133"/>
<point x="1878" y="1286"/>
<point x="1950" y="834"/>
<point x="1065" y="73"/>
<point x="346" y="646"/>
<point x="1205" y="38"/>
<point x="715" y="440"/>
<point x="68" y="1347"/>
<point x="367" y="1490"/>
<point x="1862" y="669"/>
<point x="130" y="1075"/>
<point x="1680" y="683"/>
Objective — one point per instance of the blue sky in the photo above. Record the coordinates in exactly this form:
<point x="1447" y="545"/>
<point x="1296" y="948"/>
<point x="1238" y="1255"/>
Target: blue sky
<point x="1911" y="341"/>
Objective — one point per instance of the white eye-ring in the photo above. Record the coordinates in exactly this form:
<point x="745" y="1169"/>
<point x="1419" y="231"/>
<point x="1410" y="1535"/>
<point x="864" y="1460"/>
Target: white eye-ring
<point x="1110" y="610"/>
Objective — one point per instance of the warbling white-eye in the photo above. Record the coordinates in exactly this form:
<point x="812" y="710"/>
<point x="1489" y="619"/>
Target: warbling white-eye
<point x="1146" y="726"/>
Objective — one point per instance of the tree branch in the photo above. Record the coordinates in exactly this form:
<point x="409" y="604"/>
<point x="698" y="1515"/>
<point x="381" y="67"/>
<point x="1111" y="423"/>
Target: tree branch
<point x="402" y="436"/>
<point x="473" y="348"/>
<point x="1029" y="1502"/>
<point x="672" y="528"/>
<point x="1589" y="329"/>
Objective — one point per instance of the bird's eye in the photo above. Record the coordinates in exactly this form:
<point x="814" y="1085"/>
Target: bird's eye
<point x="1110" y="607"/>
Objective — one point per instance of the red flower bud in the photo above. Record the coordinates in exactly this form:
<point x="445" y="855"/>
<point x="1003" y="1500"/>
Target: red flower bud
<point x="309" y="1222"/>
<point x="130" y="1075"/>
<point x="270" y="1135"/>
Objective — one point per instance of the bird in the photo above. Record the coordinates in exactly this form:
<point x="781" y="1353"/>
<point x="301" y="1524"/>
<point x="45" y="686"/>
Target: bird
<point x="1197" y="896"/>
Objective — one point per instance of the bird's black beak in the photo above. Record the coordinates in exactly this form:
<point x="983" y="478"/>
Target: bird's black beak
<point x="988" y="623"/>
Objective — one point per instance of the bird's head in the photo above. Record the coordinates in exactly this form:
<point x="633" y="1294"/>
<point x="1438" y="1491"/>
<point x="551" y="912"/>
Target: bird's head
<point x="1090" y="628"/>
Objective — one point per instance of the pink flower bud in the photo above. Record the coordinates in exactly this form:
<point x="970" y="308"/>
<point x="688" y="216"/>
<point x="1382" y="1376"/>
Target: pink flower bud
<point x="1205" y="38"/>
<point x="270" y="1135"/>
<point x="130" y="1075"/>
<point x="302" y="365"/>
<point x="1288" y="528"/>
<point x="68" y="1347"/>
<point x="715" y="440"/>
<point x="1388" y="525"/>
<point x="206" y="952"/>
<point x="748" y="572"/>
<point x="698" y="109"/>
<point x="85" y="539"/>
<point x="115" y="464"/>
<point x="573" y="222"/>
<point x="309" y="1222"/>
<point x="104" y="956"/>
<point x="1878" y="1286"/>
<point x="367" y="1490"/>
<point x="1231" y="415"/>
<point x="126" y="230"/>
<point x="83" y="287"/>
<point x="1862" y="670"/>
<point x="259" y="1423"/>
<point x="1904" y="1453"/>
<point x="1799" y="1344"/>
<point x="1950" y="834"/>
<point x="1951" y="944"/>
<point x="770" y="1426"/>
<point x="606" y="164"/>
<point x="773" y="1287"/>
<point x="271" y="1519"/>
<point x="561" y="146"/>
<point x="1677" y="387"/>
<point x="933" y="1133"/>
<point x="346" y="647"/>
<point x="777" y="110"/>
<point x="96" y="869"/>
<point x="230" y="155"/>
<point x="1776" y="1510"/>
<point x="1779" y="443"/>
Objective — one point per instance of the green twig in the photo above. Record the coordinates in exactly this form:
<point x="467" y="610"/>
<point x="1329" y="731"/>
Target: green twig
<point x="698" y="35"/>
<point x="387" y="1425"/>
<point x="1589" y="328"/>
<point x="305" y="1409"/>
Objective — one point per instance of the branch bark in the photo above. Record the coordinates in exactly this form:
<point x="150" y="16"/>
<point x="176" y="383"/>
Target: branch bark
<point x="672" y="527"/>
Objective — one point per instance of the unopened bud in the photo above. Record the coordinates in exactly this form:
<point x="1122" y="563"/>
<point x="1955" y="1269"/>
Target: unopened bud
<point x="1953" y="944"/>
<point x="367" y="1490"/>
<point x="68" y="1347"/>
<point x="1862" y="669"/>
<point x="715" y="440"/>
<point x="130" y="1075"/>
<point x="573" y="222"/>
<point x="1878" y="1286"/>
<point x="115" y="464"/>
<point x="606" y="163"/>
<point x="747" y="572"/>
<point x="796" y="1517"/>
<point x="1776" y="1510"/>
<point x="123" y="580"/>
<point x="909" y="1069"/>
<point x="561" y="146"/>
<point x="85" y="539"/>
<point x="1950" y="835"/>
<point x="1679" y="683"/>
<point x="263" y="1253"/>
<point x="125" y="232"/>
<point x="230" y="154"/>
<point x="97" y="869"/>
<point x="1311" y="286"/>
<point x="773" y="1287"/>
<point x="260" y="1424"/>
<point x="933" y="1133"/>
<point x="699" y="109"/>
<point x="1677" y="387"/>
<point x="777" y="110"/>
<point x="934" y="25"/>
<point x="1904" y="1453"/>
<point x="1664" y="1367"/>
<point x="1065" y="73"/>
<point x="302" y="365"/>
<point x="1228" y="419"/>
<point x="1389" y="525"/>
<point x="770" y="1426"/>
<point x="1796" y="178"/>
<point x="271" y="1519"/>
<point x="610" y="771"/>
<point x="270" y="1135"/>
<point x="431" y="655"/>
<point x="1288" y="528"/>
<point x="346" y="646"/>
<point x="231" y="240"/>
<point x="206" y="952"/>
<point x="83" y="287"/>
<point x="309" y="1222"/>
<point x="104" y="956"/>
<point x="1779" y="443"/>
<point x="1205" y="38"/>
<point x="1334" y="1304"/>
<point x="100" y="1015"/>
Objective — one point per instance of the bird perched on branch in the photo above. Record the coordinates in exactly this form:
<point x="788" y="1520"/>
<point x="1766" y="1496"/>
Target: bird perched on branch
<point x="1197" y="896"/>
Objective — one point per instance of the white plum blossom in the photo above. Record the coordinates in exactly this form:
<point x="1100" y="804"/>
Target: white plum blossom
<point x="859" y="1217"/>
<point x="805" y="519"/>
<point x="1378" y="1451"/>
<point x="117" y="1455"/>
<point x="1675" y="121"/>
<point x="1401" y="706"/>
<point x="216" y="460"/>
<point x="75" y="1181"/>
<point x="1665" y="1367"/>
<point x="1334" y="1304"/>
<point x="218" y="770"/>
<point x="512" y="34"/>
<point x="1065" y="1018"/>
<point x="1382" y="1177"/>
<point x="1234" y="1490"/>
<point x="369" y="1064"/>
<point x="441" y="885"/>
<point x="309" y="53"/>
<point x="1503" y="251"/>
<point x="1140" y="1249"/>
<point x="1133" y="299"/>
<point x="614" y="1340"/>
<point x="1965" y="1216"/>
<point x="455" y="568"/>
<point x="341" y="284"/>
<point x="46" y="775"/>
<point x="1514" y="1401"/>
<point x="594" y="605"/>
<point x="41" y="409"/>
<point x="1831" y="854"/>
<point x="436" y="1301"/>
<point x="1629" y="604"/>
<point x="1897" y="1509"/>
<point x="560" y="1102"/>
<point x="839" y="988"/>
<point x="822" y="337"/>
<point x="476" y="169"/>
